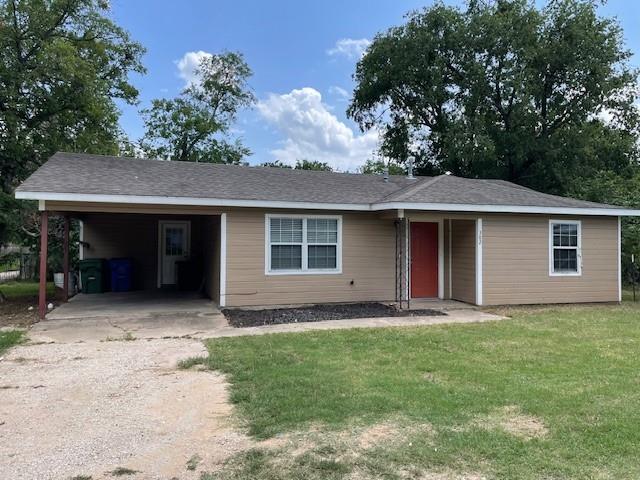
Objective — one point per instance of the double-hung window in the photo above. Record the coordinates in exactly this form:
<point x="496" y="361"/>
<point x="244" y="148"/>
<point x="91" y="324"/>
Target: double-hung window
<point x="565" y="256"/>
<point x="303" y="244"/>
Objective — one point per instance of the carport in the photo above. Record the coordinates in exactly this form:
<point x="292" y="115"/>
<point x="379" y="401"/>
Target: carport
<point x="175" y="253"/>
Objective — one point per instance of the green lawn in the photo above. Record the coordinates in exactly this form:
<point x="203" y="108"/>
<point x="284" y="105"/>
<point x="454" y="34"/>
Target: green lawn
<point x="9" y="339"/>
<point x="20" y="289"/>
<point x="552" y="393"/>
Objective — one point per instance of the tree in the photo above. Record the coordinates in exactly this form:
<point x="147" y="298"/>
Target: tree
<point x="607" y="187"/>
<point x="377" y="167"/>
<point x="503" y="89"/>
<point x="301" y="164"/>
<point x="195" y="126"/>
<point x="63" y="65"/>
<point x="304" y="164"/>
<point x="275" y="164"/>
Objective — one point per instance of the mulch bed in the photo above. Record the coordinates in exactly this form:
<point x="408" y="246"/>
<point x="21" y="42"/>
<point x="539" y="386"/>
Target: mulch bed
<point x="318" y="313"/>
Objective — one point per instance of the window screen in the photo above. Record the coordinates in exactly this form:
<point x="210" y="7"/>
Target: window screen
<point x="565" y="244"/>
<point x="303" y="244"/>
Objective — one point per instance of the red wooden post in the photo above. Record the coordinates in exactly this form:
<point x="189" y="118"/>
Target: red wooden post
<point x="44" y="230"/>
<point x="65" y="260"/>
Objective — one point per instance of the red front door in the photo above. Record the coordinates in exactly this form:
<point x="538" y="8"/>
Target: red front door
<point x="424" y="260"/>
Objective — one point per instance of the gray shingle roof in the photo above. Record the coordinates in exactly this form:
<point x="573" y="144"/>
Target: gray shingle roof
<point x="96" y="174"/>
<point x="67" y="173"/>
<point x="467" y="191"/>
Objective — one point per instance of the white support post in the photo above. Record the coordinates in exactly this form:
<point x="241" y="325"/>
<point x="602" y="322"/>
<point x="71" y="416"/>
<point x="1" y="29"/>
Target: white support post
<point x="441" y="259"/>
<point x="619" y="260"/>
<point x="450" y="262"/>
<point x="223" y="259"/>
<point x="479" y="261"/>
<point x="407" y="244"/>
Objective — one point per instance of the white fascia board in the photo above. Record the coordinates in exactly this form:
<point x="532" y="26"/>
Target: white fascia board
<point x="221" y="202"/>
<point x="460" y="207"/>
<point x="192" y="201"/>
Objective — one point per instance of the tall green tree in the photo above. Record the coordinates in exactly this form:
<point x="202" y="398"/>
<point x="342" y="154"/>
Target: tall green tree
<point x="275" y="164"/>
<point x="196" y="126"/>
<point x="63" y="63"/>
<point x="379" y="166"/>
<point x="301" y="164"/>
<point x="317" y="165"/>
<point x="503" y="89"/>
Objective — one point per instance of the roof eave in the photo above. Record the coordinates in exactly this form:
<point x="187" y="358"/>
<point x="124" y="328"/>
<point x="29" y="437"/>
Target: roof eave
<point x="382" y="206"/>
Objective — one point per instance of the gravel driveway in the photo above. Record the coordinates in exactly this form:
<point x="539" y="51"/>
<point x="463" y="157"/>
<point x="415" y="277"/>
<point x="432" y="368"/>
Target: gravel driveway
<point x="88" y="408"/>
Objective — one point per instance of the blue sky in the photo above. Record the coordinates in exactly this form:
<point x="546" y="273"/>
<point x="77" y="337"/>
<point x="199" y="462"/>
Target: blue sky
<point x="303" y="55"/>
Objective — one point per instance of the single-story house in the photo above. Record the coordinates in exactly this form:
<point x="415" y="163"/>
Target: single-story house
<point x="272" y="236"/>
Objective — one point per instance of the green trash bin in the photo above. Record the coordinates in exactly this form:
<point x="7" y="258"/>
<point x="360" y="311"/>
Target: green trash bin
<point x="93" y="275"/>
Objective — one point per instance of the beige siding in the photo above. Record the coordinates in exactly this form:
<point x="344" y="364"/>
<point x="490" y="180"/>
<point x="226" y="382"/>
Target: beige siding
<point x="463" y="260"/>
<point x="516" y="262"/>
<point x="515" y="255"/>
<point x="136" y="236"/>
<point x="112" y="236"/>
<point x="368" y="251"/>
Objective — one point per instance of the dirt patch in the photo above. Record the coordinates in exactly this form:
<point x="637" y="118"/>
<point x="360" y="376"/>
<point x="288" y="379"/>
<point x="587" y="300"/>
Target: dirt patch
<point x="15" y="312"/>
<point x="376" y="435"/>
<point x="318" y="313"/>
<point x="512" y="420"/>
<point x="103" y="406"/>
<point x="390" y="432"/>
<point x="352" y="440"/>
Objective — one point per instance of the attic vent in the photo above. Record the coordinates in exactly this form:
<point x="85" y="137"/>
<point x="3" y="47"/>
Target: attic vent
<point x="410" y="160"/>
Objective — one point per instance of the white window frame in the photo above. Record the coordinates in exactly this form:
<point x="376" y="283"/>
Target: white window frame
<point x="305" y="270"/>
<point x="552" y="272"/>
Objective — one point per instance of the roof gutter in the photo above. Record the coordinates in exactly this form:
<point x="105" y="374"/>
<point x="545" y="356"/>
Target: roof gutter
<point x="374" y="207"/>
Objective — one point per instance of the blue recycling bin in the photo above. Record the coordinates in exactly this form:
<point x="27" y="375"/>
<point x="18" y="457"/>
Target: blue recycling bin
<point x="121" y="272"/>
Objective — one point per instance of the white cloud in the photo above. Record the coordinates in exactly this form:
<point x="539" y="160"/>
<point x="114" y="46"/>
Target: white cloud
<point x="349" y="47"/>
<point x="339" y="92"/>
<point x="311" y="131"/>
<point x="188" y="65"/>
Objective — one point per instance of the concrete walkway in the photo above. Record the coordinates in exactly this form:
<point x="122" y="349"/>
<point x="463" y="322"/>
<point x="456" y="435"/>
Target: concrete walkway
<point x="215" y="325"/>
<point x="453" y="316"/>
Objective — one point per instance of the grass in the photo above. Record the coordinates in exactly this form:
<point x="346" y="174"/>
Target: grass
<point x="193" y="462"/>
<point x="19" y="289"/>
<point x="126" y="337"/>
<point x="120" y="471"/>
<point x="9" y="339"/>
<point x="191" y="362"/>
<point x="570" y="373"/>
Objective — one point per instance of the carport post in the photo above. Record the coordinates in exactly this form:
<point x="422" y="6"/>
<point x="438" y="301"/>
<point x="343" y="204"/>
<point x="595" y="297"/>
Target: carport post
<point x="65" y="260"/>
<point x="42" y="297"/>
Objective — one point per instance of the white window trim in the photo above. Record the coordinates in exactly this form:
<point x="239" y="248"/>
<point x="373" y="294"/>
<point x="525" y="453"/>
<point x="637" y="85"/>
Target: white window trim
<point x="578" y="223"/>
<point x="305" y="270"/>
